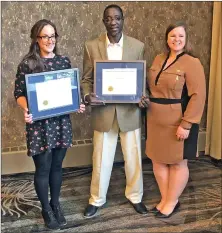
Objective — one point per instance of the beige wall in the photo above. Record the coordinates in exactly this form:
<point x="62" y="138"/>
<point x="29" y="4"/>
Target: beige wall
<point x="77" y="22"/>
<point x="76" y="156"/>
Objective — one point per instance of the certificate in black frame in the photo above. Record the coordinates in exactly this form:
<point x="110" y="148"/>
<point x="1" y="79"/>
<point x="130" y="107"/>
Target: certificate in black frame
<point x="139" y="65"/>
<point x="31" y="81"/>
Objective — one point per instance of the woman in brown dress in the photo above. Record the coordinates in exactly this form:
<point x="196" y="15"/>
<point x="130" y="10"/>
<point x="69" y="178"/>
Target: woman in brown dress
<point x="177" y="97"/>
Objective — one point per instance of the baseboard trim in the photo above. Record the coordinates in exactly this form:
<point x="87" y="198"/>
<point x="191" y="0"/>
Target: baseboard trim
<point x="77" y="156"/>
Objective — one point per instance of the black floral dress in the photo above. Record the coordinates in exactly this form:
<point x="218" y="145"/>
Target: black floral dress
<point x="54" y="132"/>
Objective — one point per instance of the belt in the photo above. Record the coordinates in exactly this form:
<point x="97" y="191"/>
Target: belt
<point x="165" y="101"/>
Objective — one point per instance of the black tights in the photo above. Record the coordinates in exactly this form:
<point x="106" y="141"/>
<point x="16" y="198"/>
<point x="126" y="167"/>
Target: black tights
<point x="49" y="173"/>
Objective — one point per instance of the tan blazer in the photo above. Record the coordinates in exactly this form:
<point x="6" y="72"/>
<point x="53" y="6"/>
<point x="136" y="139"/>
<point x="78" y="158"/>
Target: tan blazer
<point x="128" y="115"/>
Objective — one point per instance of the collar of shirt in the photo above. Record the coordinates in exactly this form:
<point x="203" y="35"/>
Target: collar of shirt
<point x="120" y="43"/>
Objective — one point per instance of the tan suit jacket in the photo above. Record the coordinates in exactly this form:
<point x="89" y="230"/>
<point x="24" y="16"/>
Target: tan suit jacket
<point x="128" y="115"/>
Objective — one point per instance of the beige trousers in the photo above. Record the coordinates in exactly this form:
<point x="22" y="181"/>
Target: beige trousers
<point x="103" y="158"/>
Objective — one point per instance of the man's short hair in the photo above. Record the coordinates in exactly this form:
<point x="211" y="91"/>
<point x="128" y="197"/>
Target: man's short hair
<point x="113" y="6"/>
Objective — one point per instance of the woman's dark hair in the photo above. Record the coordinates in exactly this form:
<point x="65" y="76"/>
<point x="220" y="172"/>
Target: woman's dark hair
<point x="187" y="47"/>
<point x="33" y="57"/>
<point x="113" y="6"/>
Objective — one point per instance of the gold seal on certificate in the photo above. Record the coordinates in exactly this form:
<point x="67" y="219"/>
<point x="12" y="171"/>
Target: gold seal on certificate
<point x="45" y="102"/>
<point x="110" y="88"/>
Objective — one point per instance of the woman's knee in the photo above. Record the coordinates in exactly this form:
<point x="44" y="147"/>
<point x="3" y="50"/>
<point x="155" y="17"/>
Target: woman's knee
<point x="42" y="170"/>
<point x="56" y="167"/>
<point x="159" y="166"/>
<point x="180" y="165"/>
<point x="42" y="164"/>
<point x="57" y="159"/>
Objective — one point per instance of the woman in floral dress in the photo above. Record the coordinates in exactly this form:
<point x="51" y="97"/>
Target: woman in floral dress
<point x="48" y="139"/>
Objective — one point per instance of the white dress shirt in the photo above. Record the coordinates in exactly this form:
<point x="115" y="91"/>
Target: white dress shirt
<point x="114" y="51"/>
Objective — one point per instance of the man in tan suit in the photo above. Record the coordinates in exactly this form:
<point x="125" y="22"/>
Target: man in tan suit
<point x="112" y="119"/>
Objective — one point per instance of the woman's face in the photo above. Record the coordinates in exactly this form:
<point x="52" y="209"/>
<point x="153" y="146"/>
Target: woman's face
<point x="176" y="40"/>
<point x="46" y="40"/>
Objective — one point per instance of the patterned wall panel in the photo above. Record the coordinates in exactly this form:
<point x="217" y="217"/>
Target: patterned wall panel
<point x="79" y="21"/>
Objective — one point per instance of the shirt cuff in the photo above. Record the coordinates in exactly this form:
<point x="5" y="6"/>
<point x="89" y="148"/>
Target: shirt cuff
<point x="84" y="98"/>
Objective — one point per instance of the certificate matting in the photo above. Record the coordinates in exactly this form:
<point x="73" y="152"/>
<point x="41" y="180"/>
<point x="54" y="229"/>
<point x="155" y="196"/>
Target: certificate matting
<point x="53" y="93"/>
<point x="119" y="81"/>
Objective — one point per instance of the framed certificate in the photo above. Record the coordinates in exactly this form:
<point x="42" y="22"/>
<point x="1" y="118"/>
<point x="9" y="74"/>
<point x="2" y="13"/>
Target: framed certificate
<point x="53" y="93"/>
<point x="120" y="81"/>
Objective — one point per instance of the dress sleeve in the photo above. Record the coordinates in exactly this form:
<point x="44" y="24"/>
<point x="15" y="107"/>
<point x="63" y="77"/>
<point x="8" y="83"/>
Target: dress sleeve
<point x="20" y="86"/>
<point x="68" y="63"/>
<point x="196" y="86"/>
<point x="154" y="64"/>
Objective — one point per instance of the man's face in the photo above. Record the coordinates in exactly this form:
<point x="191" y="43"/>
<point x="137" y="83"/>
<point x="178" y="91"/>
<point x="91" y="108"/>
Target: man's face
<point x="113" y="22"/>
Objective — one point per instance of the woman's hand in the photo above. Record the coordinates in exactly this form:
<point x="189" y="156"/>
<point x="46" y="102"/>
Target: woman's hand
<point x="182" y="133"/>
<point x="28" y="117"/>
<point x="81" y="108"/>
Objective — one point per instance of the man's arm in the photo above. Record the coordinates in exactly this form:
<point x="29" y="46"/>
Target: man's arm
<point x="87" y="77"/>
<point x="144" y="102"/>
<point x="142" y="52"/>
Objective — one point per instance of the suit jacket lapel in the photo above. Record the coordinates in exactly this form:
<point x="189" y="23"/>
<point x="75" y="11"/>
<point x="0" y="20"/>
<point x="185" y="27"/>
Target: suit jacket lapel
<point x="103" y="50"/>
<point x="102" y="47"/>
<point x="126" y="48"/>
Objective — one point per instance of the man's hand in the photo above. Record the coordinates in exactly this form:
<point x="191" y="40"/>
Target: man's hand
<point x="144" y="102"/>
<point x="88" y="98"/>
<point x="93" y="99"/>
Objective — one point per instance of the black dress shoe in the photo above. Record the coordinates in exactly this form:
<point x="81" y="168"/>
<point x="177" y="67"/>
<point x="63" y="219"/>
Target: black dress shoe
<point x="161" y="215"/>
<point x="139" y="207"/>
<point x="154" y="210"/>
<point x="90" y="211"/>
<point x="58" y="214"/>
<point x="49" y="219"/>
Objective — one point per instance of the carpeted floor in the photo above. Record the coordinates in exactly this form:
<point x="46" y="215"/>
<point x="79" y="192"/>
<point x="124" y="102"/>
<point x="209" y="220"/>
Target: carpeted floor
<point x="200" y="210"/>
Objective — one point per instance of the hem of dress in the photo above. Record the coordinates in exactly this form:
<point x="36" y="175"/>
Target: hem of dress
<point x="167" y="162"/>
<point x="31" y="155"/>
